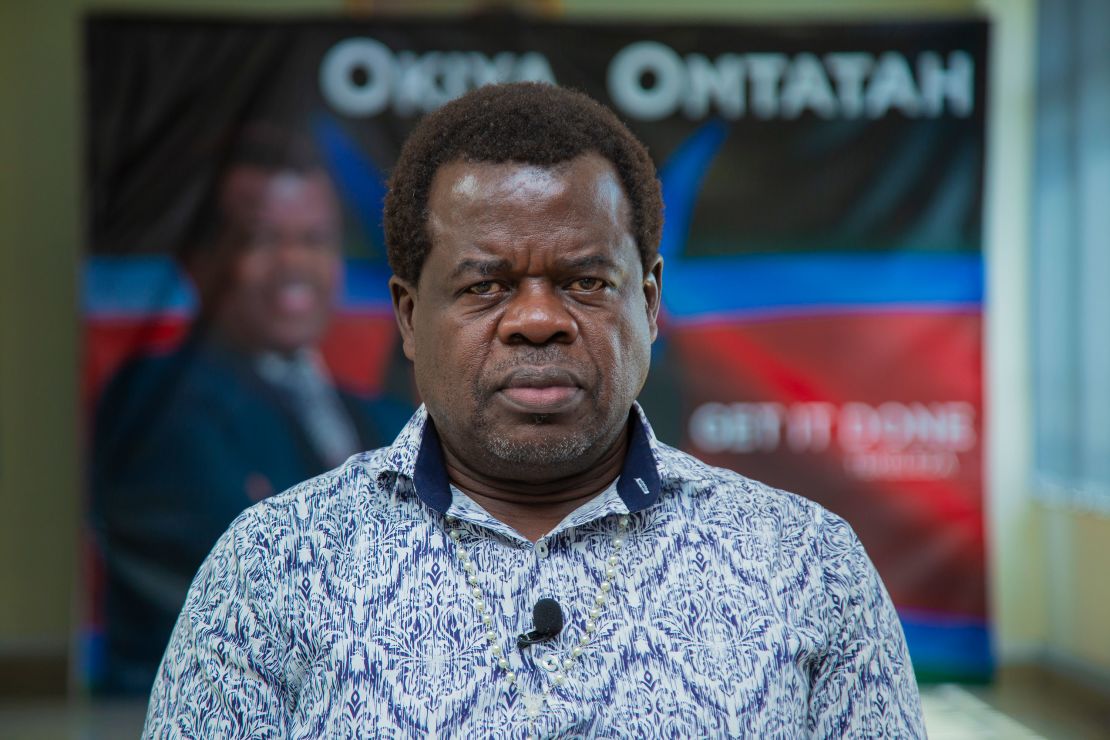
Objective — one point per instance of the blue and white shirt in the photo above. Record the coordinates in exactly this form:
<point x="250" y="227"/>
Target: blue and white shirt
<point x="342" y="608"/>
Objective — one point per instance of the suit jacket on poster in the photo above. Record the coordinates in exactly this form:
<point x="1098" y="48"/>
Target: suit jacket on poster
<point x="182" y="444"/>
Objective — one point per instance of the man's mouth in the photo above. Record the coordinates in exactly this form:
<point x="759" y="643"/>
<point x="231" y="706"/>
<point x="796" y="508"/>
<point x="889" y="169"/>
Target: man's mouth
<point x="295" y="298"/>
<point x="536" y="397"/>
<point x="544" y="390"/>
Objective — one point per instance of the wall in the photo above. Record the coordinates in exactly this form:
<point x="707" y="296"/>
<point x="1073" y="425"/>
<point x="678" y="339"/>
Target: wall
<point x="38" y="320"/>
<point x="1048" y="589"/>
<point x="1076" y="551"/>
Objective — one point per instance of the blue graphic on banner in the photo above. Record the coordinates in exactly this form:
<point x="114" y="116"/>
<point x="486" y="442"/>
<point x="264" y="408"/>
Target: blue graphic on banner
<point x="818" y="283"/>
<point x="681" y="177"/>
<point x="948" y="646"/>
<point x="695" y="289"/>
<point x="362" y="186"/>
<point x="138" y="286"/>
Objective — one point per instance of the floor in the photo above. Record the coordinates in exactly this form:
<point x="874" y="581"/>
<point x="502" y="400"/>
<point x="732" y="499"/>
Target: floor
<point x="959" y="713"/>
<point x="1010" y="710"/>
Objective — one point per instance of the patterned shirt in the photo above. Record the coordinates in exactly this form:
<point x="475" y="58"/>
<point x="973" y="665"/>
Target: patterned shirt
<point x="377" y="600"/>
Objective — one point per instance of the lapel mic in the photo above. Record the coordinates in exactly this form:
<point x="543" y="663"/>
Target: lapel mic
<point x="547" y="618"/>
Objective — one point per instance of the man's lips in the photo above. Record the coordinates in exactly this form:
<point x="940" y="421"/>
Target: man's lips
<point x="541" y="390"/>
<point x="550" y="396"/>
<point x="294" y="298"/>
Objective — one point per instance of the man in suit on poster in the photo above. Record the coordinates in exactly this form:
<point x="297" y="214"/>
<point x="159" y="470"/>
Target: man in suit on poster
<point x="244" y="408"/>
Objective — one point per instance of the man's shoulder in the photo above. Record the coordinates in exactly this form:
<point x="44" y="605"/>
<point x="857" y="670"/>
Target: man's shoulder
<point x="726" y="496"/>
<point x="763" y="522"/>
<point x="321" y="502"/>
<point x="377" y="419"/>
<point x="191" y="377"/>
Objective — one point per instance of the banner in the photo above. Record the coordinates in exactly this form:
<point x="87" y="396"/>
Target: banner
<point x="823" y="279"/>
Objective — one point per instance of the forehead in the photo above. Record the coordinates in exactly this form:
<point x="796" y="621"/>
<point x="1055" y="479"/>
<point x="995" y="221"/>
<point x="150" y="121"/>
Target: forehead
<point x="248" y="190"/>
<point x="475" y="194"/>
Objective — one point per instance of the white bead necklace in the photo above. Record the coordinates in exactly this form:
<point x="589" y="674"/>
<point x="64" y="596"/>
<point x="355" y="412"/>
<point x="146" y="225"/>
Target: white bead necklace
<point x="533" y="705"/>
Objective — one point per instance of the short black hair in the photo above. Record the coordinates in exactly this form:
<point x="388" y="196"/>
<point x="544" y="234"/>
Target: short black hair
<point x="259" y="144"/>
<point x="527" y="122"/>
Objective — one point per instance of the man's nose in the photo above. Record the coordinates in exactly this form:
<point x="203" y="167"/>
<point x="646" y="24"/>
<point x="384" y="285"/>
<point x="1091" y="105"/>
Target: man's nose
<point x="537" y="314"/>
<point x="294" y="252"/>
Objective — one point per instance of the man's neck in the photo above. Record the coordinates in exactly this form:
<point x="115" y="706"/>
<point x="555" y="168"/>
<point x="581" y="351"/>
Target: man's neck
<point x="534" y="508"/>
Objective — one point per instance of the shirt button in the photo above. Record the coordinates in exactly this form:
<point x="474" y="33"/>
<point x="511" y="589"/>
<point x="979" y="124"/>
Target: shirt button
<point x="541" y="549"/>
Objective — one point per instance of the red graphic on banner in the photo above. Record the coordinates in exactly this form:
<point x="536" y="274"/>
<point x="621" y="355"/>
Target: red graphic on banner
<point x="877" y="416"/>
<point x="357" y="348"/>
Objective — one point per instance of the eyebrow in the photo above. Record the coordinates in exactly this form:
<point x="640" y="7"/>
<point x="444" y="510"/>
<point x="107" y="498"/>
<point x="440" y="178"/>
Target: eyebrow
<point x="494" y="267"/>
<point x="588" y="263"/>
<point x="485" y="268"/>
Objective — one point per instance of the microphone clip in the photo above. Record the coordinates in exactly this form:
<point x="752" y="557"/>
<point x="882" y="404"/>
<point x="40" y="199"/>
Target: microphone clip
<point x="525" y="639"/>
<point x="547" y="617"/>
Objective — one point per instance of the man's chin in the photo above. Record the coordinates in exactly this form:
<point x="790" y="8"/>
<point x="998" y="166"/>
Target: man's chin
<point x="292" y="339"/>
<point x="543" y="447"/>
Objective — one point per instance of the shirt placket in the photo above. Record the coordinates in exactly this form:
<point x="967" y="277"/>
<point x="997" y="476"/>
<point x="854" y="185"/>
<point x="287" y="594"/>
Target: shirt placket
<point x="543" y="686"/>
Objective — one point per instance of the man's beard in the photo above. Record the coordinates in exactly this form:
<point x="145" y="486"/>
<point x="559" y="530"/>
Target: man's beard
<point x="547" y="452"/>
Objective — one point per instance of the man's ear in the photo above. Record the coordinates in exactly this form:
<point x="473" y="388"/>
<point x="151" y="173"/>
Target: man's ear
<point x="653" y="295"/>
<point x="404" y="306"/>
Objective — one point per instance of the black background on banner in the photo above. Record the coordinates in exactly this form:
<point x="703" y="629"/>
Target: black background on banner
<point x="161" y="93"/>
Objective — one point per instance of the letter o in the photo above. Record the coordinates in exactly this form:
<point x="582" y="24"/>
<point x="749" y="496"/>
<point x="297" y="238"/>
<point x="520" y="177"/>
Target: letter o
<point x="710" y="427"/>
<point x="341" y="91"/>
<point x="626" y="71"/>
<point x="898" y="424"/>
<point x="859" y="428"/>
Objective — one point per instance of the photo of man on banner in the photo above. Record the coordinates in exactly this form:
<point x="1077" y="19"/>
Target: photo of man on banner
<point x="243" y="408"/>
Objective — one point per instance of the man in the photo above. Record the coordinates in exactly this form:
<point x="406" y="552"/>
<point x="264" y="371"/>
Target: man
<point x="387" y="596"/>
<point x="243" y="409"/>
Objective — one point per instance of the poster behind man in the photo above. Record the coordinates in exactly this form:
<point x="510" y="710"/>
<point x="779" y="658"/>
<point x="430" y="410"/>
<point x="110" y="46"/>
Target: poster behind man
<point x="822" y="287"/>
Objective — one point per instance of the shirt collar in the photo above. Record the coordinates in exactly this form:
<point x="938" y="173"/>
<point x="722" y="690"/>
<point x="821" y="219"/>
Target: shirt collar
<point x="416" y="454"/>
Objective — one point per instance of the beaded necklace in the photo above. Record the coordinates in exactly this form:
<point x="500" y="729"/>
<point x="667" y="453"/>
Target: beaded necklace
<point x="533" y="704"/>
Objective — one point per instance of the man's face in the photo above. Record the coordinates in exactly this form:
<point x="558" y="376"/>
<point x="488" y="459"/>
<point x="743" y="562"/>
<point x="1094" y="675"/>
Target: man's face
<point x="279" y="258"/>
<point x="530" y="329"/>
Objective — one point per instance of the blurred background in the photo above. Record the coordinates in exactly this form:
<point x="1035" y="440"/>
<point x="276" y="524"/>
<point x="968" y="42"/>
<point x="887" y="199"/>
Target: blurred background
<point x="886" y="256"/>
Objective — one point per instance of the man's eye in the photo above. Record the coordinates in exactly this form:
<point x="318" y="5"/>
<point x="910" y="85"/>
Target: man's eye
<point x="486" y="287"/>
<point x="587" y="285"/>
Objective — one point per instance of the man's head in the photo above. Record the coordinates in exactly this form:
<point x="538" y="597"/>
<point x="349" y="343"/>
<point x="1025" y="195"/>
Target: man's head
<point x="267" y="258"/>
<point x="529" y="123"/>
<point x="523" y="226"/>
